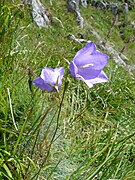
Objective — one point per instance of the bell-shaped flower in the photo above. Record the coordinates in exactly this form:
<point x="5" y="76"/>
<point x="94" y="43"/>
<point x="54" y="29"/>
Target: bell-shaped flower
<point x="87" y="65"/>
<point x="50" y="79"/>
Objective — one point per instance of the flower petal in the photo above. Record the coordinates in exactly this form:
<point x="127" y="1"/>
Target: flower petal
<point x="87" y="65"/>
<point x="88" y="84"/>
<point x="99" y="79"/>
<point x="73" y="69"/>
<point x="39" y="82"/>
<point x="88" y="73"/>
<point x="60" y="72"/>
<point x="48" y="75"/>
<point x="97" y="60"/>
<point x="88" y="49"/>
<point x="52" y="76"/>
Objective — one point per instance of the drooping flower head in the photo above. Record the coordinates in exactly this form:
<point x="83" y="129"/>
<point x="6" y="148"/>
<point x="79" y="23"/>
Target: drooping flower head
<point x="87" y="65"/>
<point x="50" y="79"/>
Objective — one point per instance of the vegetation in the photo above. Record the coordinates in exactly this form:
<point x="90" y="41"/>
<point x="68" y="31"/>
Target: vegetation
<point x="80" y="133"/>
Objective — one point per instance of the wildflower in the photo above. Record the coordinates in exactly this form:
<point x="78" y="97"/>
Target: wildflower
<point x="50" y="79"/>
<point x="87" y="65"/>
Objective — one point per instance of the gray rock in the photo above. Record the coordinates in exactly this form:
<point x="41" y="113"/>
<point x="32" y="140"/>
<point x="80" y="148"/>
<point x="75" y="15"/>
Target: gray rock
<point x="94" y="2"/>
<point x="102" y="5"/>
<point x="114" y="8"/>
<point x="73" y="5"/>
<point x="99" y="4"/>
<point x="83" y="3"/>
<point x="77" y="40"/>
<point x="79" y="18"/>
<point x="39" y="14"/>
<point x="125" y="8"/>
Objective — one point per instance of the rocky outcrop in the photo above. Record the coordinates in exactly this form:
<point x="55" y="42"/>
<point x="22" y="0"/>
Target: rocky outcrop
<point x="38" y="12"/>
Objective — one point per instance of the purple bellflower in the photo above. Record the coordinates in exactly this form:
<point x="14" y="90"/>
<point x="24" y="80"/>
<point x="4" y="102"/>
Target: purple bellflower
<point x="87" y="65"/>
<point x="50" y="79"/>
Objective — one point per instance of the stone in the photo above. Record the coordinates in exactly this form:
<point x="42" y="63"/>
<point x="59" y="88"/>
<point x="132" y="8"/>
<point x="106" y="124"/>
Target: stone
<point x="73" y="5"/>
<point x="38" y="12"/>
<point x="114" y="8"/>
<point x="125" y="8"/>
<point x="83" y="3"/>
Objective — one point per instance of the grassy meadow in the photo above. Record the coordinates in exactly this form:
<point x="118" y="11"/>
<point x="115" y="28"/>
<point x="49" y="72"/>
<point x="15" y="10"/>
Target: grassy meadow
<point x="80" y="133"/>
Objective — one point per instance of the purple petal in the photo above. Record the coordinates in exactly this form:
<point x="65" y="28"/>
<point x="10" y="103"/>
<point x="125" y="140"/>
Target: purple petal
<point x="87" y="65"/>
<point x="88" y="73"/>
<point x="97" y="60"/>
<point x="88" y="49"/>
<point x="88" y="83"/>
<point x="60" y="72"/>
<point x="48" y="75"/>
<point x="39" y="82"/>
<point x="52" y="76"/>
<point x="73" y="69"/>
<point x="99" y="79"/>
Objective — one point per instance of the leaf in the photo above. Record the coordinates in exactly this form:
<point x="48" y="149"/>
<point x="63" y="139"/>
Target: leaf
<point x="7" y="170"/>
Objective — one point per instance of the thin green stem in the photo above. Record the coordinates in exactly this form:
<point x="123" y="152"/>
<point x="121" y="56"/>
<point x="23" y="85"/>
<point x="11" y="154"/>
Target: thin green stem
<point x="20" y="134"/>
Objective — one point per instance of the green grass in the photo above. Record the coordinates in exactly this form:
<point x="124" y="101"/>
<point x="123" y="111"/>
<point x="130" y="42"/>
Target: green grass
<point x="87" y="135"/>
